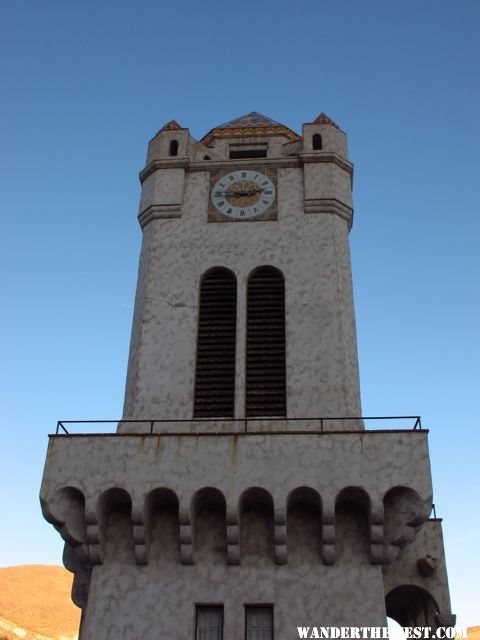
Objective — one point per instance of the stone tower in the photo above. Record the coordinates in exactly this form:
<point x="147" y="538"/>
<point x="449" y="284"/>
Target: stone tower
<point x="242" y="496"/>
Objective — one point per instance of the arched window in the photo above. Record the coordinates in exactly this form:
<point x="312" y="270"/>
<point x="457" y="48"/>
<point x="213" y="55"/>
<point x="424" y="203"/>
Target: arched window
<point x="317" y="142"/>
<point x="206" y="157"/>
<point x="215" y="375"/>
<point x="173" y="148"/>
<point x="265" y="363"/>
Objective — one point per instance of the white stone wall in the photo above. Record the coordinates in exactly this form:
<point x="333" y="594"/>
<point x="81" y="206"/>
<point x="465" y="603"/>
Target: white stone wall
<point x="374" y="461"/>
<point x="141" y="587"/>
<point x="149" y="603"/>
<point x="311" y="250"/>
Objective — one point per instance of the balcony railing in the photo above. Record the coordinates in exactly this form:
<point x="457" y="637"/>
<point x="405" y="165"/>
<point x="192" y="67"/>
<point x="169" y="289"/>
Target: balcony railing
<point x="240" y="426"/>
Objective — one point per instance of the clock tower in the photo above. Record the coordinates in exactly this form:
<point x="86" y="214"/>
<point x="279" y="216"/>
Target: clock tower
<point x="243" y="495"/>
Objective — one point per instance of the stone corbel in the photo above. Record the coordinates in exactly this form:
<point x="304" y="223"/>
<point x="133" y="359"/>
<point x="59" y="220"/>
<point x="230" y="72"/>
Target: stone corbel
<point x="233" y="537"/>
<point x="75" y="560"/>
<point x="377" y="537"/>
<point x="141" y="546"/>
<point x="93" y="539"/>
<point x="445" y="619"/>
<point x="328" y="533"/>
<point x="186" y="537"/>
<point x="67" y="516"/>
<point x="280" y="537"/>
<point x="427" y="565"/>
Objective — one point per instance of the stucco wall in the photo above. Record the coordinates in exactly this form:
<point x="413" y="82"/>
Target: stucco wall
<point x="374" y="461"/>
<point x="311" y="250"/>
<point x="307" y="587"/>
<point x="162" y="602"/>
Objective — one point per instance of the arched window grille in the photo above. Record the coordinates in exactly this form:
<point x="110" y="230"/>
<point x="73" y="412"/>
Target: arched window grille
<point x="265" y="362"/>
<point x="173" y="148"/>
<point x="215" y="374"/>
<point x="317" y="142"/>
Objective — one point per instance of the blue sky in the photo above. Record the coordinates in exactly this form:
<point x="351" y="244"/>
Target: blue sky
<point x="86" y="85"/>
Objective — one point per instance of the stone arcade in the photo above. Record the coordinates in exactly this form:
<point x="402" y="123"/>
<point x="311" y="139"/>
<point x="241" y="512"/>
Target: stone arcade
<point x="241" y="495"/>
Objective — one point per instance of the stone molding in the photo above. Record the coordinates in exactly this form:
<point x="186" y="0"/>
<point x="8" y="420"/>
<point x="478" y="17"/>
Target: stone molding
<point x="79" y="490"/>
<point x="329" y="205"/>
<point x="326" y="156"/>
<point x="93" y="543"/>
<point x="159" y="211"/>
<point x="175" y="162"/>
<point x="283" y="162"/>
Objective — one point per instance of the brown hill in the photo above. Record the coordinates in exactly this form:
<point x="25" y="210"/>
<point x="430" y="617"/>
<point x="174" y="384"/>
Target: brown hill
<point x="36" y="599"/>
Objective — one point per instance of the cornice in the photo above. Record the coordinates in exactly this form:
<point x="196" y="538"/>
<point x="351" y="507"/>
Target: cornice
<point x="177" y="162"/>
<point x="326" y="156"/>
<point x="329" y="206"/>
<point x="159" y="211"/>
<point x="227" y="164"/>
<point x="296" y="161"/>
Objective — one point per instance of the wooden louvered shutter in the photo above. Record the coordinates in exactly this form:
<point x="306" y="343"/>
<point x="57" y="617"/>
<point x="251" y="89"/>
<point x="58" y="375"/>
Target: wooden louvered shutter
<point x="265" y="375"/>
<point x="215" y="377"/>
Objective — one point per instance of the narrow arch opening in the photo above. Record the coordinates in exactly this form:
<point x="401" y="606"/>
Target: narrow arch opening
<point x="256" y="527"/>
<point x="352" y="542"/>
<point x="115" y="515"/>
<point x="215" y="371"/>
<point x="411" y="606"/>
<point x="317" y="142"/>
<point x="162" y="515"/>
<point x="173" y="148"/>
<point x="266" y="351"/>
<point x="210" y="526"/>
<point x="304" y="526"/>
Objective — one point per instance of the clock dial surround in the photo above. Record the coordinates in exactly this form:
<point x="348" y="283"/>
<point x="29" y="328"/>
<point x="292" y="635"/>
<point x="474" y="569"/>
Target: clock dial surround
<point x="243" y="194"/>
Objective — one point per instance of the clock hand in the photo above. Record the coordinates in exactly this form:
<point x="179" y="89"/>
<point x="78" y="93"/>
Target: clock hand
<point x="236" y="194"/>
<point x="246" y="192"/>
<point x="240" y="193"/>
<point x="251" y="192"/>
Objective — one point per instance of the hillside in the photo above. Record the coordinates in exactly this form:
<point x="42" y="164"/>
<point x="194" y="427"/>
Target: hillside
<point x="35" y="603"/>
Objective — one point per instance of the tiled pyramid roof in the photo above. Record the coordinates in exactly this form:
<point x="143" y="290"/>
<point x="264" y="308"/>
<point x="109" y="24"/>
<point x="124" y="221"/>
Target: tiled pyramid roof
<point x="171" y="126"/>
<point x="251" y="124"/>
<point x="253" y="119"/>
<point x="324" y="119"/>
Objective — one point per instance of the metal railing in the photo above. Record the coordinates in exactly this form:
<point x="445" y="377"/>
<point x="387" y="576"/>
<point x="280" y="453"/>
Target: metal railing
<point x="245" y="422"/>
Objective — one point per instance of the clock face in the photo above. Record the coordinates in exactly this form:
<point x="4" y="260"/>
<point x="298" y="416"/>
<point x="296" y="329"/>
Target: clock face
<point x="243" y="194"/>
